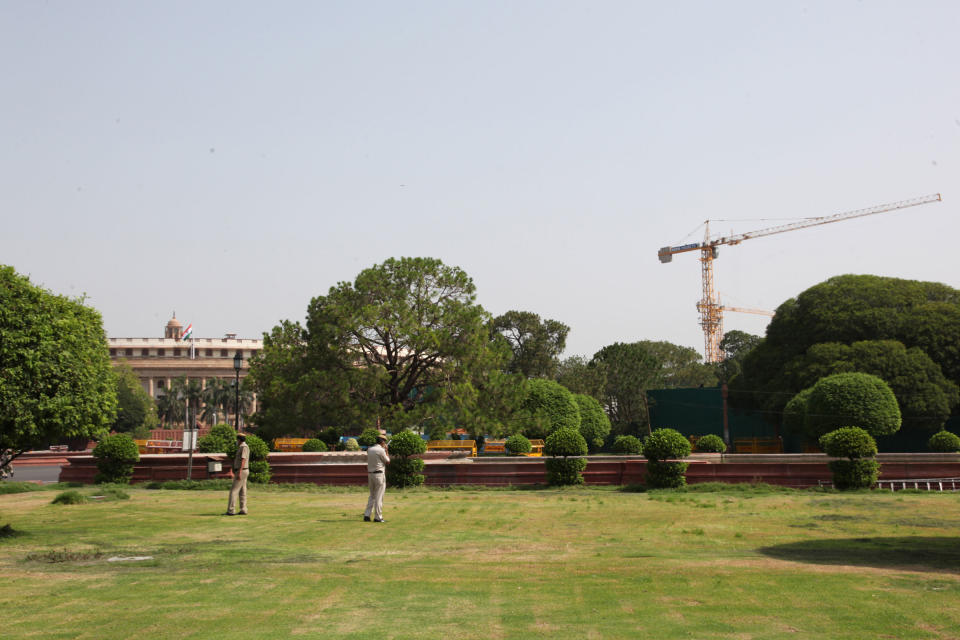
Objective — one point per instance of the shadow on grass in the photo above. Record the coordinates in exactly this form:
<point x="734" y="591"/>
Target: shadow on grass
<point x="925" y="553"/>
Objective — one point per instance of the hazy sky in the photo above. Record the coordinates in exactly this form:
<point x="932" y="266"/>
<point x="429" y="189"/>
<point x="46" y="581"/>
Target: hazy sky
<point x="231" y="160"/>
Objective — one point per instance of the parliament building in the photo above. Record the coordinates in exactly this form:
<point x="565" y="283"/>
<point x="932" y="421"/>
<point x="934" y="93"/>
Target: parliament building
<point x="159" y="361"/>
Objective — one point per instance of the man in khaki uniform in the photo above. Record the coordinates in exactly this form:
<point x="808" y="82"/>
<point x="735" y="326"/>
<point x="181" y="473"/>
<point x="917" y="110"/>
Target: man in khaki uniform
<point x="241" y="470"/>
<point x="377" y="461"/>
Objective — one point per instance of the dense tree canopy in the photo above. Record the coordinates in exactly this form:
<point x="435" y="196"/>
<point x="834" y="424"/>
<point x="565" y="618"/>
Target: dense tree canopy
<point x="581" y="375"/>
<point x="548" y="406"/>
<point x="921" y="316"/>
<point x="536" y="344"/>
<point x="680" y="367"/>
<point x="55" y="376"/>
<point x="735" y="346"/>
<point x="136" y="411"/>
<point x="630" y="371"/>
<point x="405" y="343"/>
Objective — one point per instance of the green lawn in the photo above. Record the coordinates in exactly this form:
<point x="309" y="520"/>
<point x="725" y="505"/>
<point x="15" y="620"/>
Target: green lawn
<point x="583" y="563"/>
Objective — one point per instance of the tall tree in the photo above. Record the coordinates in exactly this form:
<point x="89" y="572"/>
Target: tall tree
<point x="536" y="344"/>
<point x="581" y="375"/>
<point x="631" y="369"/>
<point x="136" y="411"/>
<point x="55" y="376"/>
<point x="735" y="345"/>
<point x="679" y="366"/>
<point x="400" y="343"/>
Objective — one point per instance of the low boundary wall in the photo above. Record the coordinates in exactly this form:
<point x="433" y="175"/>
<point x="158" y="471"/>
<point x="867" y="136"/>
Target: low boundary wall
<point x="444" y="468"/>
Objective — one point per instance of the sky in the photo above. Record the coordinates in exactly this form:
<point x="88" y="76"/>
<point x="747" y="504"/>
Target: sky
<point x="231" y="160"/>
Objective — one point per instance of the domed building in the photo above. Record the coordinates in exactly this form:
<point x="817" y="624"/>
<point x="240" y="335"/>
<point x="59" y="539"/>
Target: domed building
<point x="160" y="361"/>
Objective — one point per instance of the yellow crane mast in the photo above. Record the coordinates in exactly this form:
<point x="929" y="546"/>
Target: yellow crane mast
<point x="709" y="307"/>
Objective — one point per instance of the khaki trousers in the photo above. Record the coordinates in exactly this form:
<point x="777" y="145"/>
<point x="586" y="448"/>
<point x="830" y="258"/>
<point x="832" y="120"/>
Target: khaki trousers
<point x="378" y="484"/>
<point x="238" y="491"/>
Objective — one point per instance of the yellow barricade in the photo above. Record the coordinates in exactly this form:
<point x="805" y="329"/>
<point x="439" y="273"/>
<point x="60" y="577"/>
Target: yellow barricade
<point x="141" y="445"/>
<point x="289" y="444"/>
<point x="495" y="446"/>
<point x="536" y="448"/>
<point x="453" y="445"/>
<point x="758" y="445"/>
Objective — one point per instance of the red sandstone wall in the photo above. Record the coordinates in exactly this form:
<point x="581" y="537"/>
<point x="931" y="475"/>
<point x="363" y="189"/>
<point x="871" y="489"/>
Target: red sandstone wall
<point x="292" y="468"/>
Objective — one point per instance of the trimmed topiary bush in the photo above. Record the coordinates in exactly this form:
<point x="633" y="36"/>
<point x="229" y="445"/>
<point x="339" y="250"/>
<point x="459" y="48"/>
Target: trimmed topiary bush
<point x="561" y="468"/>
<point x="711" y="443"/>
<point x="115" y="454"/>
<point x="548" y="406"/>
<point x="351" y="444"/>
<point x="859" y="470"/>
<point x="628" y="445"/>
<point x="219" y="440"/>
<point x="405" y="470"/>
<point x="517" y="445"/>
<point x="849" y="442"/>
<point x="659" y="447"/>
<point x="944" y="442"/>
<point x="314" y="445"/>
<point x="368" y="437"/>
<point x="851" y="399"/>
<point x="594" y="423"/>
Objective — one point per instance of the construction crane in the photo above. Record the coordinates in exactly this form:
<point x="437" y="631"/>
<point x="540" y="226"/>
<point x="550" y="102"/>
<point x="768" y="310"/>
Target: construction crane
<point x="709" y="307"/>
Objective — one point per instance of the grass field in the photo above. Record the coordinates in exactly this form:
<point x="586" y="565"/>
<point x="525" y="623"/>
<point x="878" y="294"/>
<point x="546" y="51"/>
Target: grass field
<point x="732" y="562"/>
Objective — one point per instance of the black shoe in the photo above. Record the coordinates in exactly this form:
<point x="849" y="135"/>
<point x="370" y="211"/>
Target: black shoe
<point x="380" y="520"/>
<point x="229" y="514"/>
<point x="242" y="513"/>
<point x="366" y="518"/>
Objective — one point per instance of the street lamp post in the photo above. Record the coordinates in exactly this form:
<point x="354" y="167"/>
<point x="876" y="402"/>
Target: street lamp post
<point x="237" y="363"/>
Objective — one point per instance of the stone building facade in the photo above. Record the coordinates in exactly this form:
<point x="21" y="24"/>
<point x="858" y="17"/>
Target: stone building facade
<point x="159" y="361"/>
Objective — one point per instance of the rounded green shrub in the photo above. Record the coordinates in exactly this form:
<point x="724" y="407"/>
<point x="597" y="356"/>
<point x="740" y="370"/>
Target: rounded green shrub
<point x="406" y="443"/>
<point x="666" y="444"/>
<point x="351" y="444"/>
<point x="561" y="469"/>
<point x="861" y="473"/>
<point x="628" y="445"/>
<point x="944" y="442"/>
<point x="115" y="454"/>
<point x="859" y="470"/>
<point x="851" y="399"/>
<point x="517" y="445"/>
<point x="663" y="445"/>
<point x="259" y="472"/>
<point x="711" y="443"/>
<point x="565" y="471"/>
<point x="219" y="440"/>
<point x="666" y="475"/>
<point x="848" y="442"/>
<point x="594" y="423"/>
<point x="565" y="442"/>
<point x="548" y="406"/>
<point x="314" y="445"/>
<point x="404" y="470"/>
<point x="368" y="437"/>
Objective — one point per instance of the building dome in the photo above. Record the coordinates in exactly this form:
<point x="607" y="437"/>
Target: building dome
<point x="173" y="328"/>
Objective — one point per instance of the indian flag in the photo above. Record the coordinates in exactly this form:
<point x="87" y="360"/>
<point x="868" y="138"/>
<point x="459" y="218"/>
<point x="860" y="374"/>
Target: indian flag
<point x="187" y="332"/>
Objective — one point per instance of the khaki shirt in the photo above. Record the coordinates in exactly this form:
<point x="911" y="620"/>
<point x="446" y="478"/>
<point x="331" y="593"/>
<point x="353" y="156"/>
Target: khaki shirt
<point x="377" y="459"/>
<point x="242" y="459"/>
